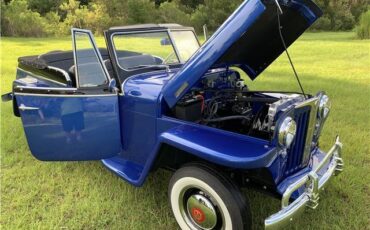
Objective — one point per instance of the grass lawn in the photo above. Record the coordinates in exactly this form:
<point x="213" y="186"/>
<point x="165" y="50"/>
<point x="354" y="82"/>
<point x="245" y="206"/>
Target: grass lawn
<point x="84" y="195"/>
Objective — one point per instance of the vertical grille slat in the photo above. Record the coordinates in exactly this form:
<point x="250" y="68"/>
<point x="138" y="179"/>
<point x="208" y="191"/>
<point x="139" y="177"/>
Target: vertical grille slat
<point x="296" y="151"/>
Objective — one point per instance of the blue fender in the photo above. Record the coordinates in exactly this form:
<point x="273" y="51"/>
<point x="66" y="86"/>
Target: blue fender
<point x="217" y="146"/>
<point x="220" y="147"/>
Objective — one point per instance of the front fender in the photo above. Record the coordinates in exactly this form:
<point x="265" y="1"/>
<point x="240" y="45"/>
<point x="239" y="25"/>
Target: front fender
<point x="220" y="147"/>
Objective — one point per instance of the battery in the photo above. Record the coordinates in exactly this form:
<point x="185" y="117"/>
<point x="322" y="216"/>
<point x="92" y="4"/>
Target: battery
<point x="189" y="109"/>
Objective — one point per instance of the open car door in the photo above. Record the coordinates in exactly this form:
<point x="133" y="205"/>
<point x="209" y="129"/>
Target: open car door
<point x="79" y="123"/>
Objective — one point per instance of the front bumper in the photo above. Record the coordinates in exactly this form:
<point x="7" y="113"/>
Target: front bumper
<point x="313" y="184"/>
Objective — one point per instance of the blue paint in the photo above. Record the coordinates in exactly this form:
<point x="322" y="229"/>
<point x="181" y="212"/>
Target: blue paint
<point x="316" y="158"/>
<point x="71" y="128"/>
<point x="127" y="131"/>
<point x="213" y="49"/>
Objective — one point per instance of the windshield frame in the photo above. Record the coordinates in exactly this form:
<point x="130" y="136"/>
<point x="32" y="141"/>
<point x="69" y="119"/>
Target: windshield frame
<point x="173" y="44"/>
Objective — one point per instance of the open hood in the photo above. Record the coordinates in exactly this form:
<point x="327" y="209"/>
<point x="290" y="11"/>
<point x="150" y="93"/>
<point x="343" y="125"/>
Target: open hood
<point x="248" y="39"/>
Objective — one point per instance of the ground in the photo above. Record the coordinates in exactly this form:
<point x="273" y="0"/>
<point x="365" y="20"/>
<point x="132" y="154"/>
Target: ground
<point x="84" y="195"/>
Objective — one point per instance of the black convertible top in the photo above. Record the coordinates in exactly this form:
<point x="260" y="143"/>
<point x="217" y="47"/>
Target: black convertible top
<point x="149" y="27"/>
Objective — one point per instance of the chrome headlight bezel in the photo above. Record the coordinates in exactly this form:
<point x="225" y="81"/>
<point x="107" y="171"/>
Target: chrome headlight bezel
<point x="287" y="132"/>
<point x="324" y="107"/>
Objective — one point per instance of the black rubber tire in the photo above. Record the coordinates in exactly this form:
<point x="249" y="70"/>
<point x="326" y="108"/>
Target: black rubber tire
<point x="235" y="202"/>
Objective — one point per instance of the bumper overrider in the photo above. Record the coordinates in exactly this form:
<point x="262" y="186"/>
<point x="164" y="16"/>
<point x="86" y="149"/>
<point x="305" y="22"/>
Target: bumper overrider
<point x="313" y="184"/>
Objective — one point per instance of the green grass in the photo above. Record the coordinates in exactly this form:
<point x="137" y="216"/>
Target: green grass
<point x="84" y="195"/>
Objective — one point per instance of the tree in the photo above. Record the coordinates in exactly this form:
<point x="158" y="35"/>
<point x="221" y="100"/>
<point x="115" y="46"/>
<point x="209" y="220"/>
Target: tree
<point x="363" y="29"/>
<point x="44" y="6"/>
<point x="93" y="17"/>
<point x="213" y="13"/>
<point x="170" y="12"/>
<point x="116" y="10"/>
<point x="191" y="4"/>
<point x="337" y="15"/>
<point x="358" y="7"/>
<point x="140" y="11"/>
<point x="18" y="20"/>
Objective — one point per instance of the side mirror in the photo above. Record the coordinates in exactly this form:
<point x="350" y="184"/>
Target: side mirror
<point x="113" y="85"/>
<point x="165" y="42"/>
<point x="205" y="32"/>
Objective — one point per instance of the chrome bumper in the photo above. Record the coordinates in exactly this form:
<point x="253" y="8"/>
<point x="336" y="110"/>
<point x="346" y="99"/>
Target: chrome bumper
<point x="313" y="184"/>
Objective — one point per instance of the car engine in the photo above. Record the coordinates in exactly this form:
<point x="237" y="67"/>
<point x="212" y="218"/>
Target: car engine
<point x="226" y="103"/>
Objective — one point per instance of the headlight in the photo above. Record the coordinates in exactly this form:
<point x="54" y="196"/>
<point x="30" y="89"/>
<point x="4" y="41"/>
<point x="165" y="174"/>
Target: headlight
<point x="287" y="131"/>
<point x="324" y="107"/>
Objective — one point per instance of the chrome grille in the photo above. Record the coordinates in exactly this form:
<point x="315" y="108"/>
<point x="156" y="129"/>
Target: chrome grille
<point x="295" y="152"/>
<point x="305" y="115"/>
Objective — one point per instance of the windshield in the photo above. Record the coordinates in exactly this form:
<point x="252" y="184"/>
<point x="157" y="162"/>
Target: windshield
<point x="149" y="49"/>
<point x="186" y="43"/>
<point x="144" y="49"/>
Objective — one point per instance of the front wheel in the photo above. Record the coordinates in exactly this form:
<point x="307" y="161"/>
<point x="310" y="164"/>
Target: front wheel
<point x="203" y="199"/>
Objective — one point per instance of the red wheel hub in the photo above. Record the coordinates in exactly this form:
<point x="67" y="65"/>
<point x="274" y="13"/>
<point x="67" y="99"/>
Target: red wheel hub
<point x="198" y="215"/>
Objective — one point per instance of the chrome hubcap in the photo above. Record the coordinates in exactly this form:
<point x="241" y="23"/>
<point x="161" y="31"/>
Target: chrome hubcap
<point x="201" y="211"/>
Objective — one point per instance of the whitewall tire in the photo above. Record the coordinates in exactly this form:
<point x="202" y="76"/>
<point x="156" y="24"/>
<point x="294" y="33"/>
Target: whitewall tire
<point x="203" y="199"/>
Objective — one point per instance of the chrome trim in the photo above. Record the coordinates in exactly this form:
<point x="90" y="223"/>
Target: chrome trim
<point x="64" y="95"/>
<point x="24" y="107"/>
<point x="183" y="205"/>
<point x="287" y="127"/>
<point x="96" y="50"/>
<point x="313" y="185"/>
<point x="201" y="212"/>
<point x="152" y="31"/>
<point x="137" y="32"/>
<point x="205" y="32"/>
<point x="66" y="75"/>
<point x="123" y="85"/>
<point x="321" y="119"/>
<point x="40" y="77"/>
<point x="313" y="103"/>
<point x="45" y="88"/>
<point x="50" y="89"/>
<point x="175" y="47"/>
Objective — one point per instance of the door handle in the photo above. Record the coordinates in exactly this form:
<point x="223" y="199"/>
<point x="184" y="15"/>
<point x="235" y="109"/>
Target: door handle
<point x="23" y="107"/>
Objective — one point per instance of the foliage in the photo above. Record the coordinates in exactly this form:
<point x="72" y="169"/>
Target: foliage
<point x="141" y="11"/>
<point x="213" y="13"/>
<point x="169" y="12"/>
<point x="52" y="27"/>
<point x="18" y="20"/>
<point x="92" y="16"/>
<point x="58" y="16"/>
<point x="44" y="6"/>
<point x="363" y="29"/>
<point x="358" y="7"/>
<point x="337" y="15"/>
<point x="84" y="195"/>
<point x="116" y="10"/>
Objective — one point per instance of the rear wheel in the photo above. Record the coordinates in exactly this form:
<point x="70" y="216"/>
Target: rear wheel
<point x="203" y="199"/>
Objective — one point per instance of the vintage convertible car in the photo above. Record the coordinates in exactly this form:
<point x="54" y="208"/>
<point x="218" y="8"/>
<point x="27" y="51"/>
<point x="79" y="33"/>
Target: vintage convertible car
<point x="155" y="98"/>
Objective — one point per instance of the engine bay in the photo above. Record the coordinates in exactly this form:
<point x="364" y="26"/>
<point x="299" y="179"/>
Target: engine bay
<point x="223" y="101"/>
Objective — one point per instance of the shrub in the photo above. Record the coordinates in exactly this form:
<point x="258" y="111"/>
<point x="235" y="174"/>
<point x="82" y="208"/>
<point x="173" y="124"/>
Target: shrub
<point x="169" y="12"/>
<point x="213" y="13"/>
<point x="18" y="20"/>
<point x="93" y="17"/>
<point x="323" y="23"/>
<point x="141" y="11"/>
<point x="52" y="27"/>
<point x="363" y="29"/>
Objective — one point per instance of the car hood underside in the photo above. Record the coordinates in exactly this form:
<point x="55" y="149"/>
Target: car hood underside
<point x="248" y="39"/>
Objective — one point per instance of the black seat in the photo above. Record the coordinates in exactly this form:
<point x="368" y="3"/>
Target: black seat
<point x="132" y="61"/>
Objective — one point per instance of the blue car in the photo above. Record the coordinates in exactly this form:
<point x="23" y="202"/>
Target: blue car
<point x="156" y="98"/>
